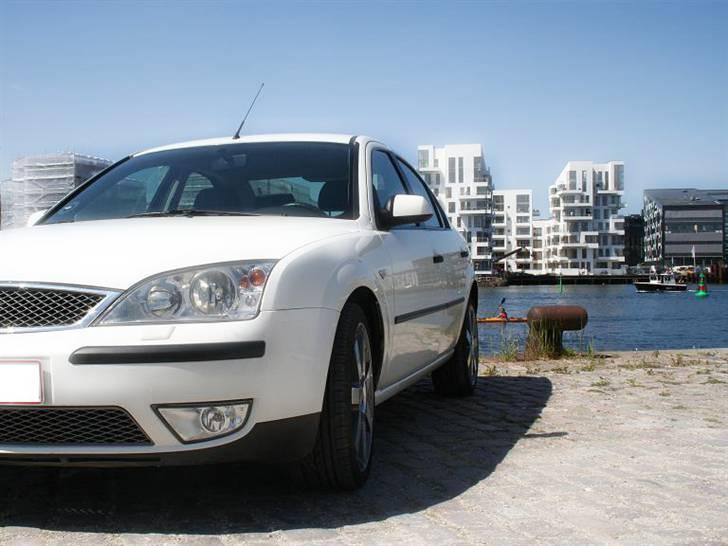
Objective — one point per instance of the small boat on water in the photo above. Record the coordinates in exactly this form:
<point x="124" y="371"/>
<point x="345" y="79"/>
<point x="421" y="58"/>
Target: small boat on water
<point x="660" y="282"/>
<point x="502" y="320"/>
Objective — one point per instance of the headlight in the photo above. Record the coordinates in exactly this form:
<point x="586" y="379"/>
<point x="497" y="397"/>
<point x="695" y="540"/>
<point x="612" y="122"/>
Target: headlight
<point x="210" y="293"/>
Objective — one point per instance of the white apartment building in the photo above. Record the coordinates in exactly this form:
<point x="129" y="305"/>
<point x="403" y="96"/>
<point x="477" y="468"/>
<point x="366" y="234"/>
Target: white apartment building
<point x="585" y="234"/>
<point x="512" y="216"/>
<point x="458" y="175"/>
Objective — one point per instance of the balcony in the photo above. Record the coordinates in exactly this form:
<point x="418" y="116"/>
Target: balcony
<point x="575" y="218"/>
<point x="473" y="211"/>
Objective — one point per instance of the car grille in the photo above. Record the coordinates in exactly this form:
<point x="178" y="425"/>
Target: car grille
<point x="69" y="426"/>
<point x="28" y="307"/>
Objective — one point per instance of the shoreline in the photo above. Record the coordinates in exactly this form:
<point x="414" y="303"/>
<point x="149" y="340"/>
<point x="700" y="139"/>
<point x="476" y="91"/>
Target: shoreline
<point x="704" y="360"/>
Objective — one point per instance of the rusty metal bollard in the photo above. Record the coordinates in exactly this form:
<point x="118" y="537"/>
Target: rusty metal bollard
<point x="546" y="325"/>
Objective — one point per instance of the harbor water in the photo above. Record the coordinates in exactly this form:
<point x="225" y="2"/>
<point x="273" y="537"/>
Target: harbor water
<point x="620" y="319"/>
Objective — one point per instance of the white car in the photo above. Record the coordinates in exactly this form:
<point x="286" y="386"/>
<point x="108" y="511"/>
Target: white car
<point x="231" y="300"/>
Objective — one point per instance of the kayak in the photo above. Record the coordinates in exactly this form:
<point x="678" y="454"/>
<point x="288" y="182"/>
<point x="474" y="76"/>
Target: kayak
<point x="498" y="319"/>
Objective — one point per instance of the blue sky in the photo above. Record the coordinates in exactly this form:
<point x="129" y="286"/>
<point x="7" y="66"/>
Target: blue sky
<point x="536" y="83"/>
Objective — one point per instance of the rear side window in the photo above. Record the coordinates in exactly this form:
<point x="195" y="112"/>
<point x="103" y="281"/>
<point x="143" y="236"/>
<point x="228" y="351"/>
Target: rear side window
<point x="418" y="188"/>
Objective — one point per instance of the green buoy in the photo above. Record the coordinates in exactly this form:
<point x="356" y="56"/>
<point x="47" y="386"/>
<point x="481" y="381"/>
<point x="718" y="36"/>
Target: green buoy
<point x="702" y="289"/>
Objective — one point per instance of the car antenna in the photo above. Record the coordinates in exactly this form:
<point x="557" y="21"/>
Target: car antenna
<point x="236" y="136"/>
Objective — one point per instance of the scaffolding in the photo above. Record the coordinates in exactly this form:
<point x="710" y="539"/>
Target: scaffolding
<point x="39" y="182"/>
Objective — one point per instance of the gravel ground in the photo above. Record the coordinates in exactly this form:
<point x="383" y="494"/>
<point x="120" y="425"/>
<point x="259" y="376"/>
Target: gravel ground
<point x="626" y="448"/>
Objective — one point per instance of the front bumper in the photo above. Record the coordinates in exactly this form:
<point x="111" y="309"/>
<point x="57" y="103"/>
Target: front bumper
<point x="286" y="383"/>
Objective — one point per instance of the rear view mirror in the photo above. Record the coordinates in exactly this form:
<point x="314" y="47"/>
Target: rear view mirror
<point x="407" y="209"/>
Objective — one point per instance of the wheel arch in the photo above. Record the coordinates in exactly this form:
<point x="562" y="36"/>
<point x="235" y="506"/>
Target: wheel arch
<point x="367" y="300"/>
<point x="473" y="297"/>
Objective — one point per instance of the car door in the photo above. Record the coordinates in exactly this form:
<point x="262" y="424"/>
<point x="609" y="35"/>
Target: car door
<point x="455" y="260"/>
<point x="416" y="333"/>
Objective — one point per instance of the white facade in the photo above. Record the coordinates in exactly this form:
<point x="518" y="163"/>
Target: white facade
<point x="39" y="182"/>
<point x="540" y="228"/>
<point x="458" y="175"/>
<point x="585" y="234"/>
<point x="512" y="216"/>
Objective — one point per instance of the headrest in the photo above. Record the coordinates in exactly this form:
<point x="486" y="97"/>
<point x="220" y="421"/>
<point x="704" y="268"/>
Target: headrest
<point x="334" y="196"/>
<point x="214" y="199"/>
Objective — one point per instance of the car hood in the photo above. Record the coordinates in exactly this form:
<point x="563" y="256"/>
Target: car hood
<point x="119" y="253"/>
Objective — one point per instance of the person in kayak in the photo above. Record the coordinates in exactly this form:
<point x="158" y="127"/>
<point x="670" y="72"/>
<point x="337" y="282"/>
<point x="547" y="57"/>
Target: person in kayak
<point x="502" y="312"/>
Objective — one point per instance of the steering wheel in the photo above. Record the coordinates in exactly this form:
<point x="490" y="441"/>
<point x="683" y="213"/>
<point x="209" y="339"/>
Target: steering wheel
<point x="307" y="206"/>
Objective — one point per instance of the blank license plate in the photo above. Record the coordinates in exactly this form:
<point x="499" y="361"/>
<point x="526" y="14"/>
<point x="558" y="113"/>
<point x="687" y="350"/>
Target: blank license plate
<point x="20" y="382"/>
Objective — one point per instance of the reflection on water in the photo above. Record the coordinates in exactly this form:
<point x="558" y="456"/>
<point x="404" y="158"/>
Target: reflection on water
<point x="620" y="319"/>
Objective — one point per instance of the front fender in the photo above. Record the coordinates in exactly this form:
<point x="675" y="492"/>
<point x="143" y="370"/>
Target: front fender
<point x="324" y="274"/>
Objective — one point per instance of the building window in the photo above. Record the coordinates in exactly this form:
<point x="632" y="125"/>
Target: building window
<point x="498" y="203"/>
<point x="448" y="193"/>
<point x="423" y="159"/>
<point x="460" y="170"/>
<point x="523" y="203"/>
<point x="523" y="230"/>
<point x="478" y="168"/>
<point x="572" y="180"/>
<point x="451" y="207"/>
<point x="619" y="177"/>
<point x="522" y="219"/>
<point x="451" y="169"/>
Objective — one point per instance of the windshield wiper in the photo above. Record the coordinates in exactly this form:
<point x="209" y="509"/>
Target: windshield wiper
<point x="189" y="213"/>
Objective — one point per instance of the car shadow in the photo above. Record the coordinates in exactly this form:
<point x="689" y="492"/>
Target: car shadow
<point x="429" y="449"/>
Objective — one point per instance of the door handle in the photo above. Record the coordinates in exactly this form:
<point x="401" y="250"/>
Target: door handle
<point x="438" y="259"/>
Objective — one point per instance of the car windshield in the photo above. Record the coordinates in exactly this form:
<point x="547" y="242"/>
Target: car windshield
<point x="272" y="178"/>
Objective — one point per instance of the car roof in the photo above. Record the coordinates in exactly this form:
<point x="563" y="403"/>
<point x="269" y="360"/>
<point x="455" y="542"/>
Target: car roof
<point x="282" y="137"/>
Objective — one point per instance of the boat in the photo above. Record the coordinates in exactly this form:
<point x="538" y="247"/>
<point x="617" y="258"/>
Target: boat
<point x="502" y="320"/>
<point x="660" y="282"/>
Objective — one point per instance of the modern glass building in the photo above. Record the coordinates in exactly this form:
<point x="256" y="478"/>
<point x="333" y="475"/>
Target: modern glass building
<point x="685" y="222"/>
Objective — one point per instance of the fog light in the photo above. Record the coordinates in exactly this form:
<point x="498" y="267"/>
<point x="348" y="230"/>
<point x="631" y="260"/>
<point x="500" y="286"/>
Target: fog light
<point x="199" y="423"/>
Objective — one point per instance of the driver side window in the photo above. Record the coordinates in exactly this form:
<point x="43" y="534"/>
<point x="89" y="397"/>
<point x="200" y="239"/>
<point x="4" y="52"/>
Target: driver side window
<point x="385" y="179"/>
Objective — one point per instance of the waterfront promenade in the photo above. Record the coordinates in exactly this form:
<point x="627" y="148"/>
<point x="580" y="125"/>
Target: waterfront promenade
<point x="630" y="448"/>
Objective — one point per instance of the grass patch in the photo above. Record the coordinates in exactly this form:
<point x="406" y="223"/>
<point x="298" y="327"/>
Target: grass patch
<point x="641" y="364"/>
<point x="490" y="371"/>
<point x="713" y="381"/>
<point x="633" y="383"/>
<point x="664" y="393"/>
<point x="508" y="351"/>
<point x="603" y="382"/>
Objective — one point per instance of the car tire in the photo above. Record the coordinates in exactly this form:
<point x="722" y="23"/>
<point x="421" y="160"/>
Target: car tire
<point x="459" y="375"/>
<point x="341" y="458"/>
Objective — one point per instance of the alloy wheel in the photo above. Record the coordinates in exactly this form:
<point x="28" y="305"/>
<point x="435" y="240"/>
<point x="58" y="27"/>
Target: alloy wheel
<point x="472" y="345"/>
<point x="362" y="397"/>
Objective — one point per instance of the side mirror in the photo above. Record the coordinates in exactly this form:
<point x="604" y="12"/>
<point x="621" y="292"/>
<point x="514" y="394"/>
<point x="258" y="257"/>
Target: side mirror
<point x="33" y="218"/>
<point x="407" y="209"/>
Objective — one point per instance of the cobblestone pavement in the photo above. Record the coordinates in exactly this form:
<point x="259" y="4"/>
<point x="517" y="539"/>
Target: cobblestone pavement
<point x="630" y="449"/>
